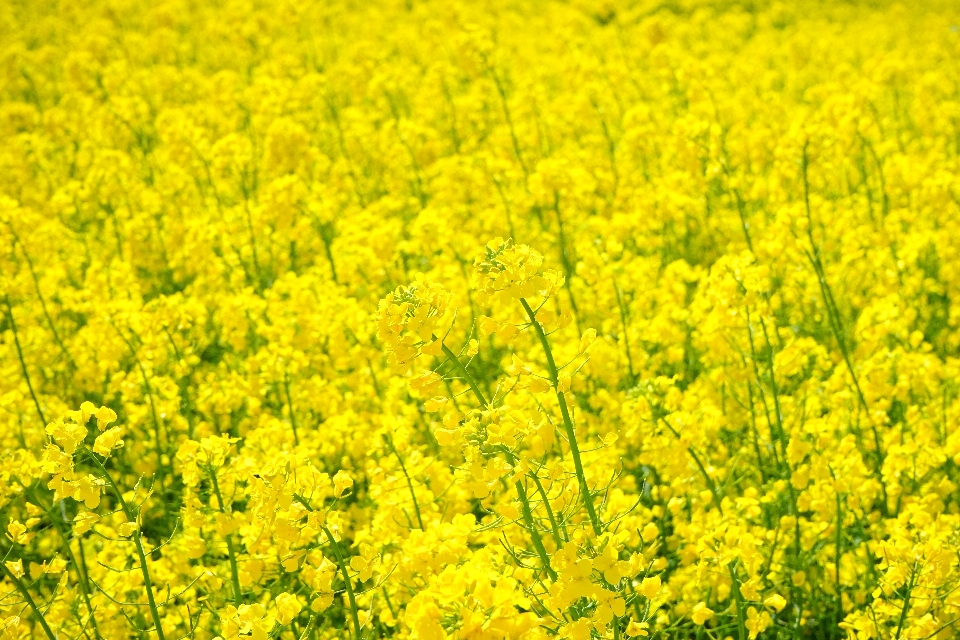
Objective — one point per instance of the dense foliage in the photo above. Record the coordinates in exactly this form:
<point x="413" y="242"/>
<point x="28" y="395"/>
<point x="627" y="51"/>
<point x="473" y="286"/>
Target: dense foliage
<point x="479" y="319"/>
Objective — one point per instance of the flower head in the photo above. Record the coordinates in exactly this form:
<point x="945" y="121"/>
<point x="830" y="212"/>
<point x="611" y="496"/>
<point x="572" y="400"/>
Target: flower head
<point x="509" y="270"/>
<point x="409" y="319"/>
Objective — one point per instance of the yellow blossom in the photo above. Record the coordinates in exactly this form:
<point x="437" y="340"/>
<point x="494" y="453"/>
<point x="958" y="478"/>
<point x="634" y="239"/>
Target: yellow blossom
<point x="288" y="606"/>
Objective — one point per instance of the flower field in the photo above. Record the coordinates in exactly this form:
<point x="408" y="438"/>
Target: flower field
<point x="479" y="319"/>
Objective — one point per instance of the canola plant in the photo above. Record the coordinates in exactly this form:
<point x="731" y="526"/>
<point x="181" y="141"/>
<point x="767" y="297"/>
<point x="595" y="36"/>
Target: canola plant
<point x="479" y="319"/>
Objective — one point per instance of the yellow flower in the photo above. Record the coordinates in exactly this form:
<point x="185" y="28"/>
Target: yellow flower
<point x="15" y="567"/>
<point x="107" y="441"/>
<point x="588" y="337"/>
<point x="408" y="318"/>
<point x="105" y="415"/>
<point x="512" y="271"/>
<point x="87" y="490"/>
<point x="650" y="532"/>
<point x="288" y="606"/>
<point x="322" y="600"/>
<point x="67" y="434"/>
<point x="341" y="483"/>
<point x="635" y="629"/>
<point x="83" y="521"/>
<point x="256" y="231"/>
<point x="473" y="348"/>
<point x="17" y="532"/>
<point x="434" y="404"/>
<point x="756" y="623"/>
<point x="750" y="590"/>
<point x="775" y="602"/>
<point x="252" y="617"/>
<point x="365" y="563"/>
<point x="650" y="587"/>
<point x="510" y="511"/>
<point x="425" y="384"/>
<point x="580" y="629"/>
<point x="486" y="326"/>
<point x="538" y="385"/>
<point x="196" y="547"/>
<point x="701" y="613"/>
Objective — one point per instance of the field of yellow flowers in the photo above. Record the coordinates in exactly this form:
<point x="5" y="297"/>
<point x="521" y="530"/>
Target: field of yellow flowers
<point x="479" y="319"/>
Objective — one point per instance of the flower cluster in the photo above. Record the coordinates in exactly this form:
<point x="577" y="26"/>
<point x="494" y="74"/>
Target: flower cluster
<point x="408" y="320"/>
<point x="325" y="320"/>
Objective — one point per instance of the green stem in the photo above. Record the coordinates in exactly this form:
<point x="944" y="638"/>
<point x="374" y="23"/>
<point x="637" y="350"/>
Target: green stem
<point x="326" y="247"/>
<point x="86" y="578"/>
<point x="623" y="324"/>
<point x="146" y="384"/>
<point x="714" y="490"/>
<point x="532" y="527"/>
<point x="403" y="468"/>
<point x="253" y="240"/>
<point x="26" y="596"/>
<point x="466" y="374"/>
<point x="293" y="417"/>
<point x="906" y="602"/>
<point x="717" y="500"/>
<point x="775" y="390"/>
<point x="521" y="490"/>
<point x="741" y="622"/>
<point x="756" y="437"/>
<point x="346" y="580"/>
<point x="234" y="572"/>
<point x="838" y="558"/>
<point x="138" y="542"/>
<point x="567" y="422"/>
<point x="501" y="90"/>
<point x="23" y="364"/>
<point x="833" y="314"/>
<point x="43" y="302"/>
<point x="775" y="435"/>
<point x="546" y="504"/>
<point x="386" y="598"/>
<point x="81" y="566"/>
<point x="780" y="427"/>
<point x="568" y="268"/>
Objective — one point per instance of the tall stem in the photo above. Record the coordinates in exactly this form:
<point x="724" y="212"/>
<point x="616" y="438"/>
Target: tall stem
<point x="346" y="579"/>
<point x="906" y="602"/>
<point x="149" y="389"/>
<point x="567" y="422"/>
<point x="23" y="364"/>
<point x="138" y="542"/>
<point x="568" y="268"/>
<point x="741" y="614"/>
<point x="521" y="490"/>
<point x="623" y="324"/>
<point x="546" y="503"/>
<point x="340" y="563"/>
<point x="714" y="489"/>
<point x="466" y="374"/>
<point x="26" y="596"/>
<point x="234" y="573"/>
<point x="81" y="566"/>
<point x="293" y="416"/>
<point x="532" y="528"/>
<point x="43" y="302"/>
<point x="838" y="558"/>
<point x="416" y="506"/>
<point x="833" y="315"/>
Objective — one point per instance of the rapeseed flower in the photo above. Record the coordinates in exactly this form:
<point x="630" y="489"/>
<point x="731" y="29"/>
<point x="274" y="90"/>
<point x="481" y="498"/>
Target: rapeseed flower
<point x="397" y="322"/>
